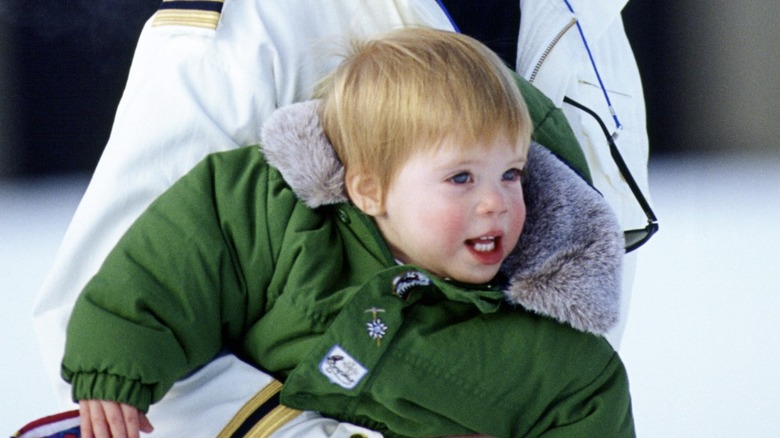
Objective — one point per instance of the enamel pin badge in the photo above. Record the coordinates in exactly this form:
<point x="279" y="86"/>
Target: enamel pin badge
<point x="376" y="327"/>
<point x="404" y="282"/>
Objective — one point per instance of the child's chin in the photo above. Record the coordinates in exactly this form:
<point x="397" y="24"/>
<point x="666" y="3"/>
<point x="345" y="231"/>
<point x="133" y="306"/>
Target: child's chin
<point x="479" y="276"/>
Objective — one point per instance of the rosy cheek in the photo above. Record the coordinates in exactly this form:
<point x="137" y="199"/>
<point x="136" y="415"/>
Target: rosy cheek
<point x="519" y="204"/>
<point x="442" y="222"/>
<point x="518" y="218"/>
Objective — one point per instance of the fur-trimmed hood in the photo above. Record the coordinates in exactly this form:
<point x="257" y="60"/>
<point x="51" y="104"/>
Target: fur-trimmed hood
<point x="567" y="264"/>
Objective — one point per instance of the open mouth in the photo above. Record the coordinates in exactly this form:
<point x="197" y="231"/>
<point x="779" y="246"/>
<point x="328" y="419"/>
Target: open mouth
<point x="484" y="244"/>
<point x="486" y="249"/>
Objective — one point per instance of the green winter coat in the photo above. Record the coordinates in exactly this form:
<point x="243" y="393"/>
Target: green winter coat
<point x="269" y="262"/>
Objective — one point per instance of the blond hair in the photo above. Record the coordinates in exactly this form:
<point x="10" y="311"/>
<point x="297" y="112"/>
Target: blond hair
<point x="411" y="89"/>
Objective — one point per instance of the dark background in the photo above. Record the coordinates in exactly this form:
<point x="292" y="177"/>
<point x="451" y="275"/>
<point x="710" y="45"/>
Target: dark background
<point x="66" y="65"/>
<point x="63" y="66"/>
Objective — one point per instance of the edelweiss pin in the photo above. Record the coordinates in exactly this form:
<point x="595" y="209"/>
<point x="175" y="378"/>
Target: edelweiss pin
<point x="376" y="327"/>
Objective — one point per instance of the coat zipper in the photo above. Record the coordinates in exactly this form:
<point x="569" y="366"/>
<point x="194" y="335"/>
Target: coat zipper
<point x="549" y="48"/>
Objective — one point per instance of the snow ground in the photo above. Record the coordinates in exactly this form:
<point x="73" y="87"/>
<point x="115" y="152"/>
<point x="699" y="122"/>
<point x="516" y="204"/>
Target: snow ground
<point x="702" y="346"/>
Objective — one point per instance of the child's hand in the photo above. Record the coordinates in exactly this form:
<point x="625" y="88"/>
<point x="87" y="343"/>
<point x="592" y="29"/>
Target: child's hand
<point x="106" y="419"/>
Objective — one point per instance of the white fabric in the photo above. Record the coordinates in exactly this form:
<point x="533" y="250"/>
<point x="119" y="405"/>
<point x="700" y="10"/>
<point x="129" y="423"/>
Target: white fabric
<point x="567" y="71"/>
<point x="194" y="91"/>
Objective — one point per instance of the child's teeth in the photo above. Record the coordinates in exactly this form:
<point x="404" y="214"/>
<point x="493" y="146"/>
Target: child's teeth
<point x="485" y="244"/>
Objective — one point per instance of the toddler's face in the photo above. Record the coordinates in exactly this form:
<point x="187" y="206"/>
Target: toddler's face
<point x="457" y="213"/>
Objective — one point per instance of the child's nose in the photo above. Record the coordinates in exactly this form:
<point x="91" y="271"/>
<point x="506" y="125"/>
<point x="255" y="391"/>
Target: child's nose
<point x="493" y="200"/>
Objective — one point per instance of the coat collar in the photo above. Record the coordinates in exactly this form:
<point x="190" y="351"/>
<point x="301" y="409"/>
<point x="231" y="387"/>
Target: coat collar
<point x="567" y="264"/>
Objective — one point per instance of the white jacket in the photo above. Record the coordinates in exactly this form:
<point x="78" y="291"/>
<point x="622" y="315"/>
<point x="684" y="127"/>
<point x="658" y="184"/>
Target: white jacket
<point x="196" y="90"/>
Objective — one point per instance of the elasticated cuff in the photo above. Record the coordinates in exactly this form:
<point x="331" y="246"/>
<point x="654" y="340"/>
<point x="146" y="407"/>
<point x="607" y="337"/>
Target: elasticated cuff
<point x="96" y="386"/>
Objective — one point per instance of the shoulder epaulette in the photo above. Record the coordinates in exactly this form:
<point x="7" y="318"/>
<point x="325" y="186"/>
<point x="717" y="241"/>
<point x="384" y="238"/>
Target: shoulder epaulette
<point x="194" y="13"/>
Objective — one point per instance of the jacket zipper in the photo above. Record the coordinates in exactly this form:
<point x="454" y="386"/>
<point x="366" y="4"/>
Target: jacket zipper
<point x="549" y="48"/>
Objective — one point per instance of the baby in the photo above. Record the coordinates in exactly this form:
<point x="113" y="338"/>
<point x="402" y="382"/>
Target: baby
<point x="369" y="255"/>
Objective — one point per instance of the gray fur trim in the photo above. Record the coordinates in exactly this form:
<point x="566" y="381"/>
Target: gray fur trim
<point x="567" y="220"/>
<point x="294" y="143"/>
<point x="567" y="264"/>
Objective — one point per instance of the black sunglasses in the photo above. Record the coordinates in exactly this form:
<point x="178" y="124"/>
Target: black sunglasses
<point x="637" y="237"/>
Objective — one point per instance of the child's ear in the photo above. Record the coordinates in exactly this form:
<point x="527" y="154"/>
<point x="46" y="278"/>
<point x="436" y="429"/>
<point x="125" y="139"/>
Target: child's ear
<point x="365" y="192"/>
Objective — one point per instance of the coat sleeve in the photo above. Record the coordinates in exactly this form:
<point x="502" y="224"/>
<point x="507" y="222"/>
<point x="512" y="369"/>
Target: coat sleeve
<point x="601" y="408"/>
<point x="173" y="292"/>
<point x="179" y="105"/>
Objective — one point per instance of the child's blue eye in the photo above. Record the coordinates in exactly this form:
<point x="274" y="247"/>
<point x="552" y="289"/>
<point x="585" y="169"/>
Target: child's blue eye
<point x="512" y="175"/>
<point x="461" y="178"/>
